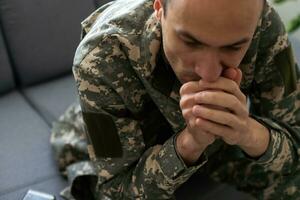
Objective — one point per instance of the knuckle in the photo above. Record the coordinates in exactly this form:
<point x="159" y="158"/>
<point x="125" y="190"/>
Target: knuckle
<point x="201" y="123"/>
<point x="244" y="123"/>
<point x="241" y="123"/>
<point x="235" y="88"/>
<point x="231" y="120"/>
<point x="185" y="101"/>
<point x="181" y="103"/>
<point x="245" y="113"/>
<point x="235" y="102"/>
<point x="191" y="122"/>
<point x="207" y="96"/>
<point x="197" y="97"/>
<point x="184" y="88"/>
<point x="185" y="114"/>
<point x="208" y="112"/>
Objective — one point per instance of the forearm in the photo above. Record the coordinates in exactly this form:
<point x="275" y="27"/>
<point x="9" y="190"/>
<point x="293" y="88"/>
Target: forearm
<point x="258" y="173"/>
<point x="281" y="154"/>
<point x="188" y="149"/>
<point x="258" y="141"/>
<point x="158" y="173"/>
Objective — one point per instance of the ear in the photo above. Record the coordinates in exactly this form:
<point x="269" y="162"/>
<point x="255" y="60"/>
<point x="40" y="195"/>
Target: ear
<point x="158" y="8"/>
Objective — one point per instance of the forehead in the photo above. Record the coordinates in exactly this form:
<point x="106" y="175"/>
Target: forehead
<point x="215" y="17"/>
<point x="212" y="4"/>
<point x="234" y="11"/>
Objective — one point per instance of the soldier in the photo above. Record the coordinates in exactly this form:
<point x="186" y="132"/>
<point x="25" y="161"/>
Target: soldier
<point x="163" y="94"/>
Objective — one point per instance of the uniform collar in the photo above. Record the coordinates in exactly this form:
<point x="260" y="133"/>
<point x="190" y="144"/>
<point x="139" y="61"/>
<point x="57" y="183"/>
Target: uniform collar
<point x="163" y="77"/>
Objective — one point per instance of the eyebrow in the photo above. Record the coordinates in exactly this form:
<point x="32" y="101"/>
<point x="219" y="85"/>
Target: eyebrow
<point x="197" y="41"/>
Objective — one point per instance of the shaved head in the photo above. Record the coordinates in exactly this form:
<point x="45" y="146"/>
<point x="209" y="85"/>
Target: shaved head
<point x="165" y="3"/>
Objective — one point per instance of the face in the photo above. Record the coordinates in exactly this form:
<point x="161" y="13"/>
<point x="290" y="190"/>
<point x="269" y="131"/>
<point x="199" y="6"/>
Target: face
<point x="201" y="38"/>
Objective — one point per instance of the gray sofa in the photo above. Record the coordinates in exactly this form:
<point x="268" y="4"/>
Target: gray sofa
<point x="37" y="43"/>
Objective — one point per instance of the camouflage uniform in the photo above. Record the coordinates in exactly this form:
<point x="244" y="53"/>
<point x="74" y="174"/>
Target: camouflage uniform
<point x="130" y="105"/>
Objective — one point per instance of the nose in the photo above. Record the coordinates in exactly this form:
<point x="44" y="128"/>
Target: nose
<point x="209" y="66"/>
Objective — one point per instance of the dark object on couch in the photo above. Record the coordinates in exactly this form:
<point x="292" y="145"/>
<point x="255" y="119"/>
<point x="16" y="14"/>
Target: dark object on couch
<point x="37" y="44"/>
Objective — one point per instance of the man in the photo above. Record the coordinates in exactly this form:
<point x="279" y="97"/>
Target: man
<point x="164" y="93"/>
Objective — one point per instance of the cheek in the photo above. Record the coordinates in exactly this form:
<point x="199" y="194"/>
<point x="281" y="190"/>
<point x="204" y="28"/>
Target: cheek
<point x="232" y="59"/>
<point x="174" y="50"/>
<point x="187" y="59"/>
<point x="173" y="53"/>
<point x="179" y="60"/>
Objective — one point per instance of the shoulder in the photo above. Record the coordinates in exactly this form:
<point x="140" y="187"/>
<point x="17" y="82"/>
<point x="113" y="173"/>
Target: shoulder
<point x="120" y="22"/>
<point x="273" y="36"/>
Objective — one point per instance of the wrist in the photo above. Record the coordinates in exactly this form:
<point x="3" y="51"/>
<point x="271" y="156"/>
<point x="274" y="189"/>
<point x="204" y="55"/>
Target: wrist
<point x="259" y="139"/>
<point x="187" y="148"/>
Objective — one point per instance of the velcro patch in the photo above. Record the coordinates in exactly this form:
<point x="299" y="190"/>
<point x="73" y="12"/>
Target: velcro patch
<point x="103" y="135"/>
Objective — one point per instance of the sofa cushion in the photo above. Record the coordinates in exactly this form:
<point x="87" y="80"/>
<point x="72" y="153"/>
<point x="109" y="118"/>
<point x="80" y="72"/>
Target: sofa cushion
<point x="6" y="76"/>
<point x="52" y="186"/>
<point x="25" y="151"/>
<point x="51" y="99"/>
<point x="42" y="36"/>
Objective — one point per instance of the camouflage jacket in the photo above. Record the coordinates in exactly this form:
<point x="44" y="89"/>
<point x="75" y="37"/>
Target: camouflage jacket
<point x="130" y="104"/>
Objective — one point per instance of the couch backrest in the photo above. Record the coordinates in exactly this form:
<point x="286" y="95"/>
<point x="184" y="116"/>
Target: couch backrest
<point x="6" y="75"/>
<point x="42" y="36"/>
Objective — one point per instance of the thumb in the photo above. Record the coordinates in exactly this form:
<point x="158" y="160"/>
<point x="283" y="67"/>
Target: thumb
<point x="234" y="74"/>
<point x="238" y="77"/>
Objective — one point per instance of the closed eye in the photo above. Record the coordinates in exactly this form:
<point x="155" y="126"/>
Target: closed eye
<point x="191" y="43"/>
<point x="233" y="48"/>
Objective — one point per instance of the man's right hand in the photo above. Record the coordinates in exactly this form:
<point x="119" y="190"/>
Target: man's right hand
<point x="191" y="142"/>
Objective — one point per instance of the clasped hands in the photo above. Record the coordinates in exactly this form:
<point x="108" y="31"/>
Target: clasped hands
<point x="218" y="110"/>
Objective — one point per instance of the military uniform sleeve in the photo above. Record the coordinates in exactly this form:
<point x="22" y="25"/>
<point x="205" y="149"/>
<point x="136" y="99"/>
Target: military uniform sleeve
<point x="275" y="98"/>
<point x="110" y="93"/>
